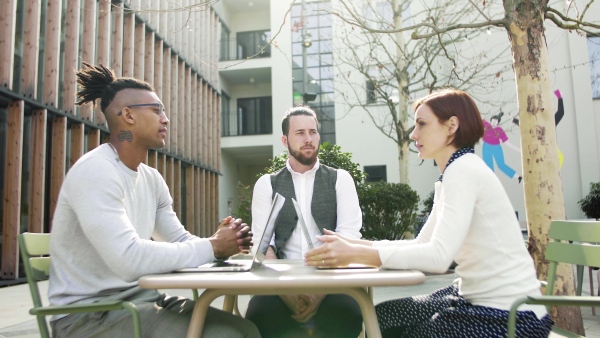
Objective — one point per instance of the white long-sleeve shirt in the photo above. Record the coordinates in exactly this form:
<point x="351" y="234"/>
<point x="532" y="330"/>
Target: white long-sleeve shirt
<point x="102" y="228"/>
<point x="349" y="216"/>
<point x="473" y="223"/>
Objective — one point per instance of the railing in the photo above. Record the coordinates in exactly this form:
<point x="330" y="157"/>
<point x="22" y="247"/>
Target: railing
<point x="238" y="123"/>
<point x="246" y="44"/>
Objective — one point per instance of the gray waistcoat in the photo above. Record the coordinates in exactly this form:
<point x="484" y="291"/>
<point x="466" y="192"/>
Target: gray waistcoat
<point x="323" y="206"/>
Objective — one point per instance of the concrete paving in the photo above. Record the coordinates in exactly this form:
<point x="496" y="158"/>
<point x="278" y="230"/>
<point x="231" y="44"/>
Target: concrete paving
<point x="15" y="321"/>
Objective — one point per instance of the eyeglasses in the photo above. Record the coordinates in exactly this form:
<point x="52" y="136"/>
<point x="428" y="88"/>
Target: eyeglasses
<point x="158" y="105"/>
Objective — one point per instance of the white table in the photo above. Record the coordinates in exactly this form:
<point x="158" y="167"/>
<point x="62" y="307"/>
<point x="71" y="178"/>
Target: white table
<point x="277" y="277"/>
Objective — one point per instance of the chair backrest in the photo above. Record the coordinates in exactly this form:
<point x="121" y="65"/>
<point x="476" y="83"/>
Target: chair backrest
<point x="572" y="242"/>
<point x="35" y="248"/>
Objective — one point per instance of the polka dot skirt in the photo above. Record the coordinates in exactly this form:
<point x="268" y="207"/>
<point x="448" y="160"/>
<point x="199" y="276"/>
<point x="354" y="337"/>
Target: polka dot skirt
<point x="444" y="313"/>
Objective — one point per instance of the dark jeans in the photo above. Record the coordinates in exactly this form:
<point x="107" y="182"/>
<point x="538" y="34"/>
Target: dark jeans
<point x="337" y="316"/>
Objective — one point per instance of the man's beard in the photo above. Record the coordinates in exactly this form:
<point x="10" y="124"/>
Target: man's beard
<point x="297" y="154"/>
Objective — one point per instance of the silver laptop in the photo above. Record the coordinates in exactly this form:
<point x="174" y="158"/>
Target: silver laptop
<point x="311" y="246"/>
<point x="258" y="251"/>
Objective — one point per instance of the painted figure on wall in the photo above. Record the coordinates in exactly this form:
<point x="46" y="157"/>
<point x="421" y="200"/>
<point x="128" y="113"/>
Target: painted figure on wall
<point x="492" y="150"/>
<point x="560" y="112"/>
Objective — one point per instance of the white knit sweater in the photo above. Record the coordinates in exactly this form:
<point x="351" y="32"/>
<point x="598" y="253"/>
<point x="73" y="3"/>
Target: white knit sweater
<point x="474" y="224"/>
<point x="102" y="228"/>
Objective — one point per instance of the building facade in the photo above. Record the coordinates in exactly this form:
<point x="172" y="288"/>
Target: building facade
<point x="575" y="63"/>
<point x="172" y="46"/>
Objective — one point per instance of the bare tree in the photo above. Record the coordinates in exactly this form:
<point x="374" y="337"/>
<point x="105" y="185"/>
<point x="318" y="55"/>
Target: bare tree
<point x="393" y="68"/>
<point x="524" y="22"/>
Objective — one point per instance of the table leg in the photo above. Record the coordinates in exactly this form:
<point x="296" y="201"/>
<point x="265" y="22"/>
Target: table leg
<point x="199" y="314"/>
<point x="367" y="309"/>
<point x="229" y="303"/>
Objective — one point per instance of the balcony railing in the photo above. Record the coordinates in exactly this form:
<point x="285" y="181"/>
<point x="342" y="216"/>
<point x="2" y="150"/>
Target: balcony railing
<point x="238" y="123"/>
<point x="246" y="44"/>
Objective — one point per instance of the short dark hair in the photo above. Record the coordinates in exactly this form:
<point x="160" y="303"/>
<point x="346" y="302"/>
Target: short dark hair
<point x="450" y="102"/>
<point x="99" y="82"/>
<point x="295" y="111"/>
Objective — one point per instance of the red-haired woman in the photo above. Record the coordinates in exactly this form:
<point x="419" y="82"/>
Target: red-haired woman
<point x="472" y="223"/>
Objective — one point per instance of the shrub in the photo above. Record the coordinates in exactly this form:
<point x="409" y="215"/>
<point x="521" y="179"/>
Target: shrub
<point x="389" y="210"/>
<point x="244" y="209"/>
<point x="590" y="204"/>
<point x="428" y="204"/>
<point x="422" y="217"/>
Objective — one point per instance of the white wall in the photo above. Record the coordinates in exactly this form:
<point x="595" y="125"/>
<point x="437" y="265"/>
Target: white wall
<point x="281" y="92"/>
<point x="577" y="132"/>
<point x="252" y="21"/>
<point x="228" y="185"/>
<point x="281" y="71"/>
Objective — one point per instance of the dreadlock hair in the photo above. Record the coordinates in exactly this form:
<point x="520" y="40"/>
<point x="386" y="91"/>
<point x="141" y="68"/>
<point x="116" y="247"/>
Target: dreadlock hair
<point x="99" y="82"/>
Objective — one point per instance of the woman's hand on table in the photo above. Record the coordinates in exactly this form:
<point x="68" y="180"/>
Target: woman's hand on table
<point x="338" y="250"/>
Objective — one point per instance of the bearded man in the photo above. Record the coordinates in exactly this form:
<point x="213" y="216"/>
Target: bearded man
<point x="328" y="200"/>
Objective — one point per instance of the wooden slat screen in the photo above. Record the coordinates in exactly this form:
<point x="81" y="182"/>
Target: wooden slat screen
<point x="172" y="50"/>
<point x="11" y="219"/>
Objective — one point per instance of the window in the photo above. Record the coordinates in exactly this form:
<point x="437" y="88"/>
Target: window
<point x="381" y="84"/>
<point x="319" y="61"/>
<point x="226" y="114"/>
<point x="254" y="116"/>
<point x="371" y="93"/>
<point x="224" y="53"/>
<point x="376" y="173"/>
<point x="251" y="43"/>
<point x="594" y="57"/>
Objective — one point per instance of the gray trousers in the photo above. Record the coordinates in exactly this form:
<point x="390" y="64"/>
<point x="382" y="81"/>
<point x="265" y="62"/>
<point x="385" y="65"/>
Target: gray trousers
<point x="161" y="316"/>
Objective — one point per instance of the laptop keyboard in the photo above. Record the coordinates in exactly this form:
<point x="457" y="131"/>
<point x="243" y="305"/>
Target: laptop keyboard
<point x="226" y="264"/>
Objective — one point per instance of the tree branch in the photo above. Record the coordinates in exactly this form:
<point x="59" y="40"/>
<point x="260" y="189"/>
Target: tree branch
<point x="436" y="30"/>
<point x="561" y="21"/>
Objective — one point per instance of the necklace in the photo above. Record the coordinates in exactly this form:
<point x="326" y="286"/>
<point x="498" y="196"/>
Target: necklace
<point x="115" y="150"/>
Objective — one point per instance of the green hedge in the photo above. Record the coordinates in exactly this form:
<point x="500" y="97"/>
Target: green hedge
<point x="389" y="210"/>
<point x="590" y="204"/>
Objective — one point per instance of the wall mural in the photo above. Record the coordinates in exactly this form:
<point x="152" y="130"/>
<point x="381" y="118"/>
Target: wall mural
<point x="492" y="152"/>
<point x="560" y="113"/>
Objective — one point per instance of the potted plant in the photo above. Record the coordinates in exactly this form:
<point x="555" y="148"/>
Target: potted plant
<point x="590" y="204"/>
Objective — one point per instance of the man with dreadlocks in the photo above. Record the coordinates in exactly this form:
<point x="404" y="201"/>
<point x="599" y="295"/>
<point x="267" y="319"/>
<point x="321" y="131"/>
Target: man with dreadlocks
<point x="114" y="224"/>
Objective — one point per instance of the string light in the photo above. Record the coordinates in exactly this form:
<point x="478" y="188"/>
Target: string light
<point x="493" y="83"/>
<point x="576" y="65"/>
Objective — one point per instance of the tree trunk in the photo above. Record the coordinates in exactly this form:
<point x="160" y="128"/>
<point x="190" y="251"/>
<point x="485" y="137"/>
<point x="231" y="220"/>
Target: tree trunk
<point x="403" y="162"/>
<point x="544" y="199"/>
<point x="403" y="154"/>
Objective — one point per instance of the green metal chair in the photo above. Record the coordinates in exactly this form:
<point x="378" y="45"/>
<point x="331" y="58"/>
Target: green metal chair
<point x="35" y="249"/>
<point x="570" y="242"/>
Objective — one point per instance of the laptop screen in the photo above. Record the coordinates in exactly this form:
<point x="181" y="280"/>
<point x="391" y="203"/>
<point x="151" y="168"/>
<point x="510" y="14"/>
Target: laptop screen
<point x="303" y="225"/>
<point x="265" y="238"/>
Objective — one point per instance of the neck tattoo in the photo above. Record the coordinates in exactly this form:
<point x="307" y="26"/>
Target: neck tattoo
<point x="125" y="135"/>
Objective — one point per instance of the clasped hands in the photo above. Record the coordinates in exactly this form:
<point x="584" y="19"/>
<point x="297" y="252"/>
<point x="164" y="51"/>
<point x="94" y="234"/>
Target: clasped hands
<point x="232" y="236"/>
<point x="302" y="306"/>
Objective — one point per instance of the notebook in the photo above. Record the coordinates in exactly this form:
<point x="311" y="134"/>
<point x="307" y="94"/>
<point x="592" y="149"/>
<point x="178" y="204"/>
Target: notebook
<point x="258" y="251"/>
<point x="311" y="246"/>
